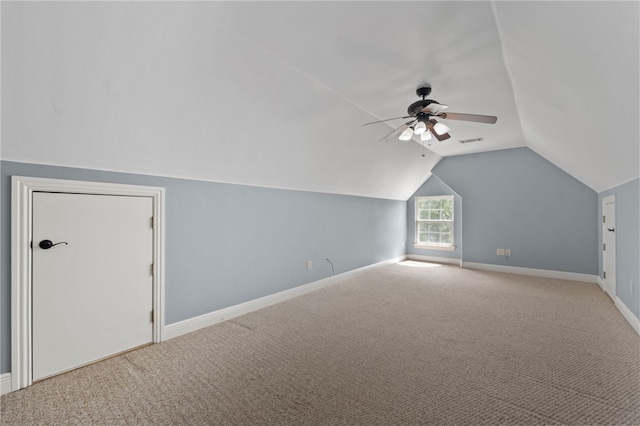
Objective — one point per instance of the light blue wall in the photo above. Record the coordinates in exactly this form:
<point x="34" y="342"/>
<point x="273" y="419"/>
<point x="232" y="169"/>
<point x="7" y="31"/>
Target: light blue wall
<point x="227" y="244"/>
<point x="627" y="242"/>
<point x="434" y="186"/>
<point x="516" y="199"/>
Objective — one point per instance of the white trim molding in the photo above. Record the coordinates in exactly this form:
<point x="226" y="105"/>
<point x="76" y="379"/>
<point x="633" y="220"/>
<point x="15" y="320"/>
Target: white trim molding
<point x="600" y="282"/>
<point x="5" y="383"/>
<point x="22" y="189"/>
<point x="440" y="247"/>
<point x="206" y="320"/>
<point x="628" y="315"/>
<point x="608" y="284"/>
<point x="561" y="275"/>
<point x="435" y="259"/>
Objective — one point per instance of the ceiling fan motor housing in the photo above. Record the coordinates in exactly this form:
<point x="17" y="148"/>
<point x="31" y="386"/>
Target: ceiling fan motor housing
<point x="418" y="106"/>
<point x="415" y="108"/>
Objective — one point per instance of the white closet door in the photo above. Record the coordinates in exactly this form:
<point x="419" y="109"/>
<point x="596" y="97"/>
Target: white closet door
<point x="92" y="297"/>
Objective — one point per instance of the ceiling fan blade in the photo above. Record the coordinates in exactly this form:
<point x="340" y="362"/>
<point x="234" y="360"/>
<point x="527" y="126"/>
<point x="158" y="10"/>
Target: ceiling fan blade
<point x="397" y="131"/>
<point x="441" y="137"/>
<point x="387" y="119"/>
<point x="434" y="108"/>
<point x="489" y="119"/>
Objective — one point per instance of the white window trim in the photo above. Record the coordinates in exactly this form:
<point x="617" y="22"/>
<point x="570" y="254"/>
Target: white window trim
<point x="432" y="246"/>
<point x="441" y="247"/>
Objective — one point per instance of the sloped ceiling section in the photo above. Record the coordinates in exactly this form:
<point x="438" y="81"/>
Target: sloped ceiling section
<point x="574" y="68"/>
<point x="270" y="94"/>
<point x="275" y="93"/>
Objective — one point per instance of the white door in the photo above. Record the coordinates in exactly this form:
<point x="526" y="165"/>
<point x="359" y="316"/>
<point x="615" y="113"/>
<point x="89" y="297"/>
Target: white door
<point x="91" y="297"/>
<point x="609" y="246"/>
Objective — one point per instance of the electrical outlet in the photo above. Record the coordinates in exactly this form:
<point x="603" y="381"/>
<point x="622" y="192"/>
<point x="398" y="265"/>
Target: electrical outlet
<point x="309" y="264"/>
<point x="500" y="252"/>
<point x="507" y="252"/>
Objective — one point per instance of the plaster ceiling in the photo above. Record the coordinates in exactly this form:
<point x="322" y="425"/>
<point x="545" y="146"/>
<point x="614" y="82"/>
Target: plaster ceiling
<point x="275" y="93"/>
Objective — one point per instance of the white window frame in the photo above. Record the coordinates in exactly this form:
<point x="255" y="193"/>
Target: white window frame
<point x="433" y="246"/>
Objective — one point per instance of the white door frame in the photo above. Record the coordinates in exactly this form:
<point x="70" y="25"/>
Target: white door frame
<point x="611" y="199"/>
<point x="22" y="189"/>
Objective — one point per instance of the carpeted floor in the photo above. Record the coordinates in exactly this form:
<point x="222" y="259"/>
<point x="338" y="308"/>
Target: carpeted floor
<point x="399" y="345"/>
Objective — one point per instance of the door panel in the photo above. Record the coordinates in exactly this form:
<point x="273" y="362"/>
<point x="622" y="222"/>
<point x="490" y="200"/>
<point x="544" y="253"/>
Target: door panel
<point x="92" y="297"/>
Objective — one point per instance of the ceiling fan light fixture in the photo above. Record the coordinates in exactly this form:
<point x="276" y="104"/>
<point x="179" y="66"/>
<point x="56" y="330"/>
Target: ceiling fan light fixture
<point x="406" y="135"/>
<point x="425" y="136"/>
<point x="441" y="129"/>
<point x="420" y="128"/>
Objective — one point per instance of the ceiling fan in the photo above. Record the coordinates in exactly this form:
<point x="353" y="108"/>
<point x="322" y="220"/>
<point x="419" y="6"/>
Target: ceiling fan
<point x="423" y="114"/>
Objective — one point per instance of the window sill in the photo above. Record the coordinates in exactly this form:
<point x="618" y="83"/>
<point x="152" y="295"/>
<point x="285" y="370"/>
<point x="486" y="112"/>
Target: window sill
<point x="434" y="247"/>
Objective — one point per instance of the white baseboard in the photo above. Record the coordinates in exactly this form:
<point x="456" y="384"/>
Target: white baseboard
<point x="600" y="282"/>
<point x="5" y="383"/>
<point x="435" y="259"/>
<point x="628" y="315"/>
<point x="624" y="310"/>
<point x="573" y="276"/>
<point x="192" y="324"/>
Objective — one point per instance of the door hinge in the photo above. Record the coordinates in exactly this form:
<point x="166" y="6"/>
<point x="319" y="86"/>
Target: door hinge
<point x="604" y="247"/>
<point x="604" y="275"/>
<point x="153" y="317"/>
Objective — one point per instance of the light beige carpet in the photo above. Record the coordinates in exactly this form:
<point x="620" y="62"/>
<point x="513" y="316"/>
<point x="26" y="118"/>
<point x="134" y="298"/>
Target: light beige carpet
<point x="399" y="345"/>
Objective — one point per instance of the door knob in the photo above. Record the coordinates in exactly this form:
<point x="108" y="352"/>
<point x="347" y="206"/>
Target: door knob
<point x="47" y="244"/>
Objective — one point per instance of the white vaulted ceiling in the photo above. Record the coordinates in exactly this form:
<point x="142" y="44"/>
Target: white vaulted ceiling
<point x="275" y="93"/>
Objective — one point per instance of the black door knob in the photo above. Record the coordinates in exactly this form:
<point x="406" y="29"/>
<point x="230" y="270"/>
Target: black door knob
<point x="47" y="244"/>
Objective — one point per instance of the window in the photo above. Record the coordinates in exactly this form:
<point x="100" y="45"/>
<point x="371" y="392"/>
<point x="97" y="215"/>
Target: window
<point x="434" y="222"/>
